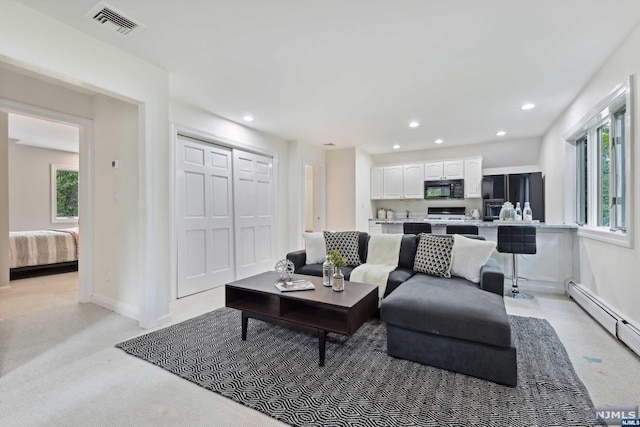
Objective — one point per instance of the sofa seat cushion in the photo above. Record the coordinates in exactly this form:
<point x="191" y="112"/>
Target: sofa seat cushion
<point x="450" y="307"/>
<point x="316" y="270"/>
<point x="398" y="277"/>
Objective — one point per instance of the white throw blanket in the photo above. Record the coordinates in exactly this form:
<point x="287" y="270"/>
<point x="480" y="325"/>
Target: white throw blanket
<point x="382" y="259"/>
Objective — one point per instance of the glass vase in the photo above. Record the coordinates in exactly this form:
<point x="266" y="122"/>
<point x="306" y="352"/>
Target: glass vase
<point x="338" y="280"/>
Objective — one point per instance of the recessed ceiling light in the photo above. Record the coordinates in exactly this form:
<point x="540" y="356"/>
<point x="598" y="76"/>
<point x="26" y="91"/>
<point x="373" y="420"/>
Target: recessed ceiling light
<point x="438" y="141"/>
<point x="395" y="147"/>
<point x="501" y="133"/>
<point x="414" y="124"/>
<point x="528" y="106"/>
<point x="247" y="118"/>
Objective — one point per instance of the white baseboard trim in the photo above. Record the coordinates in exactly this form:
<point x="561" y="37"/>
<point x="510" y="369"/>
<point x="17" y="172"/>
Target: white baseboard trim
<point x="164" y="319"/>
<point x="536" y="286"/>
<point x="125" y="309"/>
<point x="611" y="319"/>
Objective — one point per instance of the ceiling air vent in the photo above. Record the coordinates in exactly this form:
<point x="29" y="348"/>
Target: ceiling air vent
<point x="111" y="18"/>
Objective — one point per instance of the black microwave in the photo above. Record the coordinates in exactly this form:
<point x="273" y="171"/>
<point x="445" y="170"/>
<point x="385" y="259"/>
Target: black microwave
<point x="450" y="189"/>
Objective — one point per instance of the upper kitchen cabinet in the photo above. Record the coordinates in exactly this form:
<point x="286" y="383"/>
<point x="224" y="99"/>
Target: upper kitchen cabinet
<point x="413" y="181"/>
<point x="376" y="183"/>
<point x="397" y="182"/>
<point x="392" y="182"/>
<point x="433" y="171"/>
<point x="453" y="169"/>
<point x="436" y="171"/>
<point x="473" y="178"/>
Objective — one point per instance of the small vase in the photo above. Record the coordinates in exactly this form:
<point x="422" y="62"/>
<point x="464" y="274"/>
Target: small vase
<point x="338" y="280"/>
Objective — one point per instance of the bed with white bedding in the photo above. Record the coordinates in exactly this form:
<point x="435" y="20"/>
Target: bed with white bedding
<point x="35" y="250"/>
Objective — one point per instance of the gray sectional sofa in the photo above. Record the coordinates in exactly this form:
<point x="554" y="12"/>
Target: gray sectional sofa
<point x="449" y="323"/>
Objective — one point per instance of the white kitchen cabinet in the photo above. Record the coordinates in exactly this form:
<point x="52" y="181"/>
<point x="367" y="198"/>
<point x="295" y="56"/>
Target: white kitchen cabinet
<point x="473" y="178"/>
<point x="413" y="181"/>
<point x="433" y="171"/>
<point x="392" y="183"/>
<point x="377" y="182"/>
<point x="452" y="169"/>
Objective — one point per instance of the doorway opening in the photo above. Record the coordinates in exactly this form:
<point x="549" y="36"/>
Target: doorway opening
<point x="43" y="211"/>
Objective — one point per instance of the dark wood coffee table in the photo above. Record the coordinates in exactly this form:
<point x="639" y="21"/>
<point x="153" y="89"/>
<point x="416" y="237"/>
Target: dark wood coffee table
<point x="319" y="311"/>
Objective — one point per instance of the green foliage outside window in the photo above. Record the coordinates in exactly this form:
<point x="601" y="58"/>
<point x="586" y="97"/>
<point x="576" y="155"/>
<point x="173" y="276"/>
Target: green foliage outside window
<point x="604" y="174"/>
<point x="66" y="193"/>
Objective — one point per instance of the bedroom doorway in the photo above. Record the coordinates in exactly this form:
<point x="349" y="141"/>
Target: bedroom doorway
<point x="44" y="184"/>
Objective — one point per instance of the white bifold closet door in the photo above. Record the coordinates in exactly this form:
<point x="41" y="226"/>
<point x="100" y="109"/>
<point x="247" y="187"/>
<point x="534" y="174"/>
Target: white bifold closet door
<point x="254" y="213"/>
<point x="204" y="197"/>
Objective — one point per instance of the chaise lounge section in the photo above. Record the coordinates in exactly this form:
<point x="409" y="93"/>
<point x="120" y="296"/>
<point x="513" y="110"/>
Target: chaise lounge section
<point x="449" y="323"/>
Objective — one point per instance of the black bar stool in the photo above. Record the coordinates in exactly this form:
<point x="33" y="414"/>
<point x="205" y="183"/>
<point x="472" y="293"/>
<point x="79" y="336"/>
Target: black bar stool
<point x="416" y="227"/>
<point x="462" y="229"/>
<point x="516" y="239"/>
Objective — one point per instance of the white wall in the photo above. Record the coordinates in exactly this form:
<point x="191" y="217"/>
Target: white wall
<point x="41" y="44"/>
<point x="116" y="202"/>
<point x="341" y="189"/>
<point x="308" y="197"/>
<point x="31" y="90"/>
<point x="30" y="186"/>
<point x="611" y="272"/>
<point x="4" y="199"/>
<point x="496" y="154"/>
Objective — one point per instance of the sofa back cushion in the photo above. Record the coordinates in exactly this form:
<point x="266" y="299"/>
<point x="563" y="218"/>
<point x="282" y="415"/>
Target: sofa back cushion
<point x="408" y="248"/>
<point x="363" y="245"/>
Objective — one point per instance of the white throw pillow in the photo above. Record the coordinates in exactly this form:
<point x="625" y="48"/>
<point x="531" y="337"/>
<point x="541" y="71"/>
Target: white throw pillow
<point x="468" y="256"/>
<point x="315" y="246"/>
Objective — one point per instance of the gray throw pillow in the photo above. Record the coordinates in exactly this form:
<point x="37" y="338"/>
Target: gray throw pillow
<point x="345" y="242"/>
<point x="434" y="255"/>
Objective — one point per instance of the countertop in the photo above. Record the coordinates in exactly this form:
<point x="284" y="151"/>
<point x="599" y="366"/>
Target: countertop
<point x="481" y="224"/>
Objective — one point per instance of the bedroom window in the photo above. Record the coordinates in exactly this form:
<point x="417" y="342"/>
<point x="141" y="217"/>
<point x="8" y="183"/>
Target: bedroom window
<point x="64" y="193"/>
<point x="603" y="184"/>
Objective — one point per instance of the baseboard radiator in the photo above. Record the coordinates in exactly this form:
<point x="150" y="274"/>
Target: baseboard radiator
<point x="604" y="314"/>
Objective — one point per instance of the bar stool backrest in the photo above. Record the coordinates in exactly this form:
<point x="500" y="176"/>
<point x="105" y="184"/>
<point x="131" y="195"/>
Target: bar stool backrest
<point x="416" y="227"/>
<point x="516" y="239"/>
<point x="462" y="229"/>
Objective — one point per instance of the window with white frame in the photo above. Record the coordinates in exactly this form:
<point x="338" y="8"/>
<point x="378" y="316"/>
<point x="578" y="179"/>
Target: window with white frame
<point x="64" y="193"/>
<point x="603" y="156"/>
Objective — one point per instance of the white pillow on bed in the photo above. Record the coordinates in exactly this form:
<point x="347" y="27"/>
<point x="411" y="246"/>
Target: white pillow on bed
<point x="315" y="246"/>
<point x="468" y="256"/>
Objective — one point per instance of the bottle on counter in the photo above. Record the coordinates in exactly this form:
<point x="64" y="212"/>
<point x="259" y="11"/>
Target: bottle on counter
<point x="518" y="212"/>
<point x="527" y="214"/>
<point x="327" y="272"/>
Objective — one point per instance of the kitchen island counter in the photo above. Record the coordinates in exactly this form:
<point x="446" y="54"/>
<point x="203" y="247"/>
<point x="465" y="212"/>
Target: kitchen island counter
<point x="478" y="223"/>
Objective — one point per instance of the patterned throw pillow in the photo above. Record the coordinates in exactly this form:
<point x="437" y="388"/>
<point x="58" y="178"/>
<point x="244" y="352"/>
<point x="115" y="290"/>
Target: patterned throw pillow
<point x="345" y="242"/>
<point x="434" y="255"/>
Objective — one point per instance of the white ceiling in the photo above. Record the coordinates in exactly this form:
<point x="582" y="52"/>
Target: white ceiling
<point x="43" y="133"/>
<point x="356" y="72"/>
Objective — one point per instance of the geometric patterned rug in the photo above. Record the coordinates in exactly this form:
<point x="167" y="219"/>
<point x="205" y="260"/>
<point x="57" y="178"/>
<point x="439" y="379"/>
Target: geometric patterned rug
<point x="276" y="372"/>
